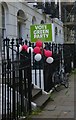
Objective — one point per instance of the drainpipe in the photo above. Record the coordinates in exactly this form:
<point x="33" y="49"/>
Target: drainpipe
<point x="75" y="22"/>
<point x="59" y="9"/>
<point x="0" y="53"/>
<point x="75" y="34"/>
<point x="0" y="40"/>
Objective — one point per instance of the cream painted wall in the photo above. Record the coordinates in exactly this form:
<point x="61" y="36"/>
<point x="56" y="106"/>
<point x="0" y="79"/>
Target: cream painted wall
<point x="11" y="25"/>
<point x="29" y="11"/>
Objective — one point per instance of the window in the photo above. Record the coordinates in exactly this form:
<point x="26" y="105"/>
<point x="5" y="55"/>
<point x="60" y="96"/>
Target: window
<point x="59" y="31"/>
<point x="4" y="13"/>
<point x="33" y="20"/>
<point x="42" y="21"/>
<point x="21" y="22"/>
<point x="56" y="31"/>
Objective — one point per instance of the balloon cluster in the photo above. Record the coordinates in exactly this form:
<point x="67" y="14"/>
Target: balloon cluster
<point x="38" y="51"/>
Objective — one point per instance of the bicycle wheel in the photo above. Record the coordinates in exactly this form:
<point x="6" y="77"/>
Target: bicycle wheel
<point x="55" y="81"/>
<point x="66" y="81"/>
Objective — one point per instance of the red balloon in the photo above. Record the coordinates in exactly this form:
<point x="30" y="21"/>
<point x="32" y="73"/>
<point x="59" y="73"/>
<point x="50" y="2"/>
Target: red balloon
<point x="39" y="43"/>
<point x="24" y="47"/>
<point x="36" y="50"/>
<point x="48" y="53"/>
<point x="44" y="51"/>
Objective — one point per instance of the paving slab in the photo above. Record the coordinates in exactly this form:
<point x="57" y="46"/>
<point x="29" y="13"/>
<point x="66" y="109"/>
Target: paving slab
<point x="62" y="104"/>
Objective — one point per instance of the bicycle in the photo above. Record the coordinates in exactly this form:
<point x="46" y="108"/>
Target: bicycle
<point x="60" y="78"/>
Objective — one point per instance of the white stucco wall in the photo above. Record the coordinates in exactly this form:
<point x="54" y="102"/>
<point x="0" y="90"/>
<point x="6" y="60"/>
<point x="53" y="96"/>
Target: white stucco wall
<point x="29" y="11"/>
<point x="59" y="38"/>
<point x="11" y="19"/>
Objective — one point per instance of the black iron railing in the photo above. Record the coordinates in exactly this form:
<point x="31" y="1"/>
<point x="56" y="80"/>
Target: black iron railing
<point x="20" y="70"/>
<point x="16" y="82"/>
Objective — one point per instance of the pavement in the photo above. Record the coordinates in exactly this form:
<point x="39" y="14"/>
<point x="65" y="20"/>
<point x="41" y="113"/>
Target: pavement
<point x="61" y="104"/>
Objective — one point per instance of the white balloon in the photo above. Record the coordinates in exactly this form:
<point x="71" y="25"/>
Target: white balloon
<point x="49" y="60"/>
<point x="30" y="48"/>
<point x="20" y="48"/>
<point x="37" y="57"/>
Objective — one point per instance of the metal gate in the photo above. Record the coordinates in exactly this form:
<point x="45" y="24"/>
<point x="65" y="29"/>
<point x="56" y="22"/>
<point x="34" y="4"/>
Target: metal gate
<point x="16" y="82"/>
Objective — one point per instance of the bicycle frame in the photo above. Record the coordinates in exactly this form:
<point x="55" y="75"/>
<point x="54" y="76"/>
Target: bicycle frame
<point x="59" y="76"/>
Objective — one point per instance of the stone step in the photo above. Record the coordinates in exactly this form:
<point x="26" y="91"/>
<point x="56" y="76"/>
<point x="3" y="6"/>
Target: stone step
<point x="36" y="93"/>
<point x="38" y="97"/>
<point x="42" y="100"/>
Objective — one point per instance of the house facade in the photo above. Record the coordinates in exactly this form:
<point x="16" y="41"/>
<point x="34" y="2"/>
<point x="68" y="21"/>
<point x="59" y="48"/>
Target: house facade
<point x="16" y="18"/>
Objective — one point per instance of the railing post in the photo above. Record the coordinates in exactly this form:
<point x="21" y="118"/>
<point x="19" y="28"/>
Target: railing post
<point x="3" y="82"/>
<point x="17" y="76"/>
<point x="3" y="106"/>
<point x="20" y="89"/>
<point x="8" y="106"/>
<point x="29" y="84"/>
<point x="13" y="81"/>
